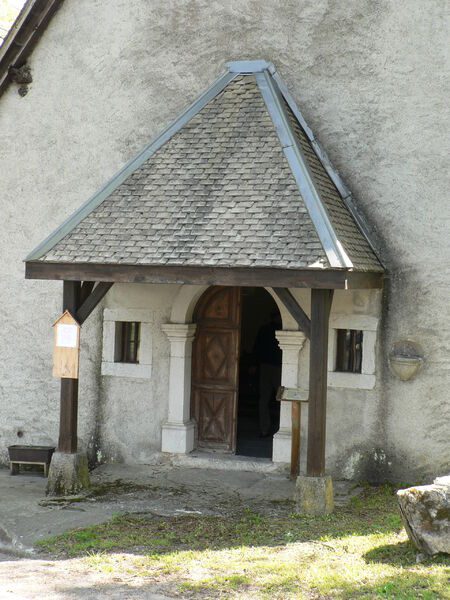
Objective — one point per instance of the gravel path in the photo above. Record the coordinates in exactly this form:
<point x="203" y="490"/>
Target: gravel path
<point x="36" y="579"/>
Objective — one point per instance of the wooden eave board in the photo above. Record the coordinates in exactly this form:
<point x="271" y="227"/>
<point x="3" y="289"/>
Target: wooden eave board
<point x="247" y="277"/>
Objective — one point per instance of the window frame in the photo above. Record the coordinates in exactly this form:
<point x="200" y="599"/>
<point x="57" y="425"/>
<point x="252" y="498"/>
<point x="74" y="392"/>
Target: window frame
<point x="346" y="379"/>
<point x="138" y="370"/>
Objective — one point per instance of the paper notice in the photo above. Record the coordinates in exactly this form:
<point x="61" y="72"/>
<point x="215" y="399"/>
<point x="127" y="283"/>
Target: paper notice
<point x="66" y="335"/>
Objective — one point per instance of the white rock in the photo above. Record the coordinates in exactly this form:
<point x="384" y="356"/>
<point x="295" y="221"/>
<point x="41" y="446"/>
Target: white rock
<point x="425" y="512"/>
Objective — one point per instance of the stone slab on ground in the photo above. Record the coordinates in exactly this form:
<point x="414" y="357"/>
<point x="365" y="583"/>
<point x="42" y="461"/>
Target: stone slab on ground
<point x="27" y="515"/>
<point x="163" y="489"/>
<point x="425" y="512"/>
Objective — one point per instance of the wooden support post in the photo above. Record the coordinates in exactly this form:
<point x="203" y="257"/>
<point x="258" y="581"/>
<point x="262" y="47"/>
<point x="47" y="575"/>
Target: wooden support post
<point x="68" y="419"/>
<point x="295" y="444"/>
<point x="318" y="371"/>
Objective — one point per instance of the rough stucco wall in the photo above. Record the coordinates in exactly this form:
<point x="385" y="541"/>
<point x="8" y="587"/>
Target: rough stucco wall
<point x="370" y="79"/>
<point x="132" y="411"/>
<point x="355" y="431"/>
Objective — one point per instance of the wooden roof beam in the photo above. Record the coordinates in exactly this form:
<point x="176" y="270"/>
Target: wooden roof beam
<point x="205" y="275"/>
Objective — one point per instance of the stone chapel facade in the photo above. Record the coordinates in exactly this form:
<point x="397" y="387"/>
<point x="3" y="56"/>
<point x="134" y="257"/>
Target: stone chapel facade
<point x="236" y="202"/>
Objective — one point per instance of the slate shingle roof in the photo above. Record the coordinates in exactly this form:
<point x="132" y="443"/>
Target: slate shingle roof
<point x="347" y="231"/>
<point x="219" y="192"/>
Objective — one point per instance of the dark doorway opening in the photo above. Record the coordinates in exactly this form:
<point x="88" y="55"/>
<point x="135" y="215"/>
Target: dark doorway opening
<point x="258" y="415"/>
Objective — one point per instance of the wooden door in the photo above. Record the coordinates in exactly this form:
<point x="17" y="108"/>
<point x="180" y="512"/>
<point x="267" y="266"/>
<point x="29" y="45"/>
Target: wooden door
<point x="215" y="367"/>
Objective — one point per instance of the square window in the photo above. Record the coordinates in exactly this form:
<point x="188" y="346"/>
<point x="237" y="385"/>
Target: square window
<point x="349" y="345"/>
<point x="127" y="339"/>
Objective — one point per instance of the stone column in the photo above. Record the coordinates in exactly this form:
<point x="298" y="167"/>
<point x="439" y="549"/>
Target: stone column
<point x="178" y="433"/>
<point x="290" y="342"/>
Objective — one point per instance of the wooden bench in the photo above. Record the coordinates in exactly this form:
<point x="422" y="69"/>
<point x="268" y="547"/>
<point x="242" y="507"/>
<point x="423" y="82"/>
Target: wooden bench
<point x="29" y="455"/>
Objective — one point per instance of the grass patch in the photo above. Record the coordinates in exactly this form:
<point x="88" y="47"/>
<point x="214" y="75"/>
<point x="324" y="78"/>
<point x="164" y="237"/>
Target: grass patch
<point x="360" y="551"/>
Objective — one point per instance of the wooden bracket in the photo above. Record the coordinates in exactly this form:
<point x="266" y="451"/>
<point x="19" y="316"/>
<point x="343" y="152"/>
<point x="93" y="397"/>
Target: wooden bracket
<point x="92" y="298"/>
<point x="295" y="309"/>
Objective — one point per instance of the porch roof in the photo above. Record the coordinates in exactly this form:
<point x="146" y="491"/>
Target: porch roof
<point x="237" y="182"/>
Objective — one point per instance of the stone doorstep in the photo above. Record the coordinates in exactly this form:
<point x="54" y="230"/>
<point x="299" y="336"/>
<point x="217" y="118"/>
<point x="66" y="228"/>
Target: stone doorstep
<point x="227" y="462"/>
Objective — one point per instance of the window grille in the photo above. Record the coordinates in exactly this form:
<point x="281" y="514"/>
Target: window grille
<point x="126" y="349"/>
<point x="349" y="350"/>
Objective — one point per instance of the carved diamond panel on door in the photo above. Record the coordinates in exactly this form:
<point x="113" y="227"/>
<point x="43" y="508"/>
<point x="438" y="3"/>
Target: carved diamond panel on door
<point x="214" y="362"/>
<point x="215" y="367"/>
<point x="214" y="417"/>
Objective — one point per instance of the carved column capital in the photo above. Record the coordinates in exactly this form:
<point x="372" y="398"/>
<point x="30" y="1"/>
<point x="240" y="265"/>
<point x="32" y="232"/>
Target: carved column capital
<point x="290" y="340"/>
<point x="179" y="331"/>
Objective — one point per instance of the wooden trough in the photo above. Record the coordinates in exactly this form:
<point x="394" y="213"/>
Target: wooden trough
<point x="29" y="455"/>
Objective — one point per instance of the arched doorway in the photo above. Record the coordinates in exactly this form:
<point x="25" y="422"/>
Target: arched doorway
<point x="232" y="397"/>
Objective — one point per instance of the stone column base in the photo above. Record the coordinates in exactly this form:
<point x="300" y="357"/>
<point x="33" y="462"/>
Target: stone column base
<point x="68" y="474"/>
<point x="178" y="438"/>
<point x="281" y="449"/>
<point x="314" y="495"/>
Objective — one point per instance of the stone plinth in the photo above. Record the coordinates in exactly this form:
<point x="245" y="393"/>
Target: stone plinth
<point x="314" y="495"/>
<point x="68" y="474"/>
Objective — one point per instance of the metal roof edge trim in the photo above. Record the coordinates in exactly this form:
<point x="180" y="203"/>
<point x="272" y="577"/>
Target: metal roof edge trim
<point x="8" y="40"/>
<point x="335" y="176"/>
<point x="336" y="254"/>
<point x="24" y="35"/>
<point x="249" y="66"/>
<point x="73" y="220"/>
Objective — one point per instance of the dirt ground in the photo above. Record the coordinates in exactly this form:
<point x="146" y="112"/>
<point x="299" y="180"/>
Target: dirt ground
<point x="37" y="579"/>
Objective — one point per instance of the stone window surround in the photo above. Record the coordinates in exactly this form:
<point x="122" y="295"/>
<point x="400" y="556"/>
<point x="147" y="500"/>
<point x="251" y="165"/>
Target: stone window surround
<point x="141" y="370"/>
<point x="368" y="325"/>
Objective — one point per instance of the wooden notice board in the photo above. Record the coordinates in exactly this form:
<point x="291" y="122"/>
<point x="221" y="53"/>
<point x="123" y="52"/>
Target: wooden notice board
<point x="66" y="349"/>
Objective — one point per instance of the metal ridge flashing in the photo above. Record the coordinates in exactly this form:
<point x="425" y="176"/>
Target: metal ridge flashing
<point x="71" y="222"/>
<point x="333" y="248"/>
<point x="335" y="176"/>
